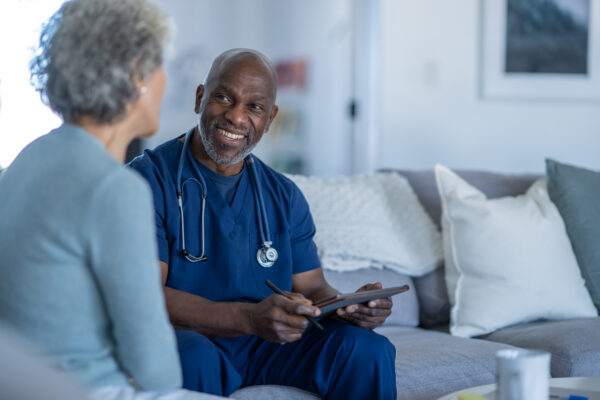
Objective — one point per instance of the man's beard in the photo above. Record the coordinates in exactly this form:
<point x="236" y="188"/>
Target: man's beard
<point x="211" y="148"/>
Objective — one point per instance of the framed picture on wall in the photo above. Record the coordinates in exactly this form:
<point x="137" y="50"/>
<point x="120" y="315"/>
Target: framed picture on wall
<point x="540" y="49"/>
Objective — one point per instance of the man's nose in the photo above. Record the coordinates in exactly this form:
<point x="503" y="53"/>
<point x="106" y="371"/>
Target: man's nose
<point x="236" y="115"/>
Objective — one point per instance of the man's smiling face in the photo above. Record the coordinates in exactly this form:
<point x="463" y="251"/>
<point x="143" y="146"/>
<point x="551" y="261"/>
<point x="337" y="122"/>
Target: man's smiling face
<point x="236" y="109"/>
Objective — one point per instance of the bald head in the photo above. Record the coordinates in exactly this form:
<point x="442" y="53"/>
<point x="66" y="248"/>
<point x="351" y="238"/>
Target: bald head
<point x="237" y="59"/>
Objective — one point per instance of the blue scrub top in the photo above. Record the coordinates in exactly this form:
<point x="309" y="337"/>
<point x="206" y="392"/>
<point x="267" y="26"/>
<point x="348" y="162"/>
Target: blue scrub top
<point x="232" y="237"/>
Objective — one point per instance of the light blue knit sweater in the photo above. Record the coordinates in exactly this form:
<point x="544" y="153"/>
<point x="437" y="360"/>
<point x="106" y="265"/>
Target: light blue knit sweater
<point x="79" y="275"/>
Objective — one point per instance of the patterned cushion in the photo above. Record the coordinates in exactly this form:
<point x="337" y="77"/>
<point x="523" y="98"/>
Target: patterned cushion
<point x="371" y="220"/>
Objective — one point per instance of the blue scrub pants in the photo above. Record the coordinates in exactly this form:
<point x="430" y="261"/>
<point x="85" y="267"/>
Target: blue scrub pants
<point x="341" y="362"/>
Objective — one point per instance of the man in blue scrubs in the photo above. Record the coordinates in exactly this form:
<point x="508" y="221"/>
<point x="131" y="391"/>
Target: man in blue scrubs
<point x="232" y="331"/>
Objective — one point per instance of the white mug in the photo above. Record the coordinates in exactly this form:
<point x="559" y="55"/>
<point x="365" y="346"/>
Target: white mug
<point x="522" y="374"/>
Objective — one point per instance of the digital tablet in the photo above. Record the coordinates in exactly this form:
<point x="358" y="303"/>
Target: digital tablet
<point x="331" y="304"/>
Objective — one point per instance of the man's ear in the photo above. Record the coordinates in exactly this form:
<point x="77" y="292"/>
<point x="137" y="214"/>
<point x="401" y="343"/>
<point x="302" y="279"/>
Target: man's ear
<point x="271" y="117"/>
<point x="199" y="94"/>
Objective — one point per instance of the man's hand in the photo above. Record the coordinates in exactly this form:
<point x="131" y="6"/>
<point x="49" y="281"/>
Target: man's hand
<point x="280" y="319"/>
<point x="367" y="316"/>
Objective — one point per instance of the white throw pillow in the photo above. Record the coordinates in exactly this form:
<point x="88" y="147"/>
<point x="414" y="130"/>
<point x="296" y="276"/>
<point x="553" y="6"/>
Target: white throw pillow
<point x="508" y="260"/>
<point x="371" y="220"/>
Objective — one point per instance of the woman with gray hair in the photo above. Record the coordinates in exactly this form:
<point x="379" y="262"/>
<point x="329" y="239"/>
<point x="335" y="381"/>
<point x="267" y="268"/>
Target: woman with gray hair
<point x="79" y="275"/>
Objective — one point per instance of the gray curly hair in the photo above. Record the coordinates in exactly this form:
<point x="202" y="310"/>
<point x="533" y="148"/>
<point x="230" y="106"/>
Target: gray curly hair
<point x="92" y="52"/>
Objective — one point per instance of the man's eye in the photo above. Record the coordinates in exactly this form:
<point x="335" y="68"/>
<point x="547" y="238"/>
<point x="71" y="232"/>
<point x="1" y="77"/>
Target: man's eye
<point x="222" y="97"/>
<point x="257" y="107"/>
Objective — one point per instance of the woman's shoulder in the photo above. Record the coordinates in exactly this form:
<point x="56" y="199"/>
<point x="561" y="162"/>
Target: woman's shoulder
<point x="123" y="183"/>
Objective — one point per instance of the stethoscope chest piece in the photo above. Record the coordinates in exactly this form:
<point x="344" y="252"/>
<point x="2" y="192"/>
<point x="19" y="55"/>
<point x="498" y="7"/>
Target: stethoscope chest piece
<point x="266" y="256"/>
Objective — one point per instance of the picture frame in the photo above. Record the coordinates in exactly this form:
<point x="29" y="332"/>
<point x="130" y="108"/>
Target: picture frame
<point x="496" y="83"/>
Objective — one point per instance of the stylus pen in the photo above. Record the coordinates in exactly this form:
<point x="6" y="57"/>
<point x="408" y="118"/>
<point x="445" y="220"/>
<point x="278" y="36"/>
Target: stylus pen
<point x="274" y="288"/>
<point x="569" y="397"/>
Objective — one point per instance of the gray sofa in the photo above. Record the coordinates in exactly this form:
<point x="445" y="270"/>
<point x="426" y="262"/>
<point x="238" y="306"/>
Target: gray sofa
<point x="429" y="361"/>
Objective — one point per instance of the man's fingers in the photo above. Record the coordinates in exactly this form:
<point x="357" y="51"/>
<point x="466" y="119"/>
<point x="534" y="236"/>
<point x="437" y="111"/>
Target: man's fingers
<point x="291" y="306"/>
<point x="368" y="325"/>
<point x="282" y="320"/>
<point x="370" y="286"/>
<point x="298" y="297"/>
<point x="289" y="337"/>
<point x="364" y="288"/>
<point x="296" y="305"/>
<point x="296" y="322"/>
<point x="350" y="309"/>
<point x="384" y="304"/>
<point x="372" y="312"/>
<point x="283" y="333"/>
<point x="363" y="313"/>
<point x="363" y="321"/>
<point x="381" y="303"/>
<point x="294" y="314"/>
<point x="369" y="315"/>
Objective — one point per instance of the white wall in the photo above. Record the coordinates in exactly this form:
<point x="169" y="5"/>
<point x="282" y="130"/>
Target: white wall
<point x="431" y="110"/>
<point x="20" y="25"/>
<point x="319" y="31"/>
<point x="203" y="29"/>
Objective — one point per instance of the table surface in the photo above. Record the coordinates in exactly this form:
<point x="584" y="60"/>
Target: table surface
<point x="588" y="386"/>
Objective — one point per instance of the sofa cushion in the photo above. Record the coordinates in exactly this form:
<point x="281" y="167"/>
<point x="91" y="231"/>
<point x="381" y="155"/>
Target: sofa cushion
<point x="432" y="295"/>
<point x="574" y="344"/>
<point x="430" y="364"/>
<point x="576" y="193"/>
<point x="405" y="311"/>
<point x="508" y="260"/>
<point x="371" y="220"/>
<point x="270" y="392"/>
<point x="434" y="305"/>
<point x="492" y="184"/>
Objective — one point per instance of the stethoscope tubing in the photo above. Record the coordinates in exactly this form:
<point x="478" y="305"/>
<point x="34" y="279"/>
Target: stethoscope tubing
<point x="179" y="188"/>
<point x="263" y="222"/>
<point x="260" y="205"/>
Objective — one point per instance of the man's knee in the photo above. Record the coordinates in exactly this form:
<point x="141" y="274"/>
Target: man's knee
<point x="369" y="344"/>
<point x="365" y="362"/>
<point x="193" y="346"/>
<point x="205" y="367"/>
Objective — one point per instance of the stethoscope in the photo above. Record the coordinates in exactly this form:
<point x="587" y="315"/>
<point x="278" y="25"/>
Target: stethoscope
<point x="266" y="255"/>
